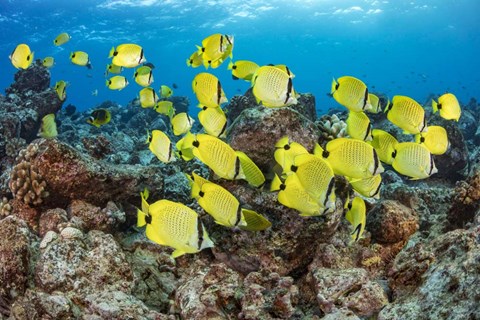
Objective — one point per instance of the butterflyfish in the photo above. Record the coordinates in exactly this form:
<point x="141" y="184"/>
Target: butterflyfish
<point x="447" y="106"/>
<point x="351" y="93"/>
<point x="127" y="55"/>
<point x="165" y="91"/>
<point x="384" y="144"/>
<point x="175" y="225"/>
<point x="99" y="117"/>
<point x="351" y="158"/>
<point x="116" y="83"/>
<point x="413" y="160"/>
<point x="143" y="76"/>
<point x="208" y="90"/>
<point x="243" y="69"/>
<point x="356" y="215"/>
<point x="22" y="57"/>
<point x="407" y="114"/>
<point x="359" y="126"/>
<point x="213" y="121"/>
<point x="62" y="38"/>
<point x="48" y="62"/>
<point x="48" y="128"/>
<point x="165" y="107"/>
<point x="61" y="89"/>
<point x="148" y="97"/>
<point x="161" y="146"/>
<point x="369" y="187"/>
<point x="436" y="140"/>
<point x="80" y="58"/>
<point x="181" y="123"/>
<point x="286" y="151"/>
<point x="273" y="87"/>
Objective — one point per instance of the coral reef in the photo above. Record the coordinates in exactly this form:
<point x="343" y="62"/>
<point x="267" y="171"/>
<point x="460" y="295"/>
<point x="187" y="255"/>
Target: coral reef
<point x="465" y="202"/>
<point x="26" y="183"/>
<point x="331" y="127"/>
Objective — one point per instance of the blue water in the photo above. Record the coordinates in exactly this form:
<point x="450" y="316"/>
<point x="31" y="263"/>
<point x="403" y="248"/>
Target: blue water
<point x="412" y="48"/>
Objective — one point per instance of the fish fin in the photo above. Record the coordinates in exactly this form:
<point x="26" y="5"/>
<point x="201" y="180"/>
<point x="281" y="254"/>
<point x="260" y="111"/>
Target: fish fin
<point x="276" y="183"/>
<point x="255" y="221"/>
<point x="434" y="106"/>
<point x="141" y="218"/>
<point x="177" y="253"/>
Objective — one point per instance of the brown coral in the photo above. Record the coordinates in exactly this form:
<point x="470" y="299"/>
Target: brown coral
<point x="5" y="207"/>
<point x="26" y="184"/>
<point x="331" y="127"/>
<point x="13" y="146"/>
<point x="466" y="201"/>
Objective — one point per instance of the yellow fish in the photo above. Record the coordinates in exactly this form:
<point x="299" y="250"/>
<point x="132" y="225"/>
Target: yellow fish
<point x="160" y="145"/>
<point x="369" y="187"/>
<point x="143" y="76"/>
<point x="48" y="128"/>
<point x="243" y="69"/>
<point x="175" y="225"/>
<point x="221" y="205"/>
<point x="99" y="117"/>
<point x="351" y="158"/>
<point x="186" y="153"/>
<point x="384" y="144"/>
<point x="208" y="90"/>
<point x="216" y="47"/>
<point x="317" y="178"/>
<point x="145" y="206"/>
<point x="250" y="170"/>
<point x="359" y="126"/>
<point x="448" y="107"/>
<point x="285" y="69"/>
<point x="165" y="92"/>
<point x="116" y="83"/>
<point x="80" y="58"/>
<point x="165" y="107"/>
<point x="127" y="55"/>
<point x="357" y="216"/>
<point x="48" y="62"/>
<point x="195" y="60"/>
<point x="196" y="182"/>
<point x="213" y="121"/>
<point x="62" y="38"/>
<point x="286" y="151"/>
<point x="407" y="114"/>
<point x="273" y="87"/>
<point x="293" y="195"/>
<point x="351" y="93"/>
<point x="375" y="105"/>
<point x="60" y="89"/>
<point x="181" y="123"/>
<point x="413" y="160"/>
<point x="436" y="140"/>
<point x="21" y="56"/>
<point x="148" y="97"/>
<point x="111" y="68"/>
<point x="216" y="154"/>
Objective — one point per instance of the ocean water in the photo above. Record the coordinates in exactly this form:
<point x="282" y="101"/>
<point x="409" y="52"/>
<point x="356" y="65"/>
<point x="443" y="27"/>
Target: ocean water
<point x="413" y="48"/>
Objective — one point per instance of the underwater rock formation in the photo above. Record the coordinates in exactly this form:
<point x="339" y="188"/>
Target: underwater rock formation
<point x="257" y="130"/>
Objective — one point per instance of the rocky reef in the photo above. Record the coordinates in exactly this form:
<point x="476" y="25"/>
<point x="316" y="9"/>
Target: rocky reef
<point x="70" y="249"/>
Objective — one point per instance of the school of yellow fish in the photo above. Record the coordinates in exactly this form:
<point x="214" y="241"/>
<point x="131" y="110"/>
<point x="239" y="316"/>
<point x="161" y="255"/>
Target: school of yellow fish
<point x="305" y="181"/>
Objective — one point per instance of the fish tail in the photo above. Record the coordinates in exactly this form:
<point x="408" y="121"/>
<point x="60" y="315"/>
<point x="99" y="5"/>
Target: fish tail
<point x="112" y="51"/>
<point x="434" y="106"/>
<point x="141" y="218"/>
<point x="276" y="183"/>
<point x="230" y="65"/>
<point x="335" y="86"/>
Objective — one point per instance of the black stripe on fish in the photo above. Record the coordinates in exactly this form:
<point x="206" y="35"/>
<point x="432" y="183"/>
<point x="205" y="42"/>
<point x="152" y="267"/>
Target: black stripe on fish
<point x="357" y="231"/>
<point x="394" y="153"/>
<point x="200" y="232"/>
<point x="148" y="218"/>
<point x="170" y="151"/>
<point x="369" y="128"/>
<point x="239" y="216"/>
<point x="141" y="56"/>
<point x="378" y="190"/>
<point x="388" y="107"/>
<point x="375" y="161"/>
<point x="325" y="154"/>
<point x="424" y="123"/>
<point x="237" y="167"/>
<point x="365" y="99"/>
<point x="293" y="168"/>
<point x="223" y="129"/>
<point x="329" y="191"/>
<point x="432" y="164"/>
<point x="289" y="89"/>
<point x="288" y="71"/>
<point x="196" y="144"/>
<point x="149" y="77"/>
<point x="219" y="92"/>
<point x="221" y="44"/>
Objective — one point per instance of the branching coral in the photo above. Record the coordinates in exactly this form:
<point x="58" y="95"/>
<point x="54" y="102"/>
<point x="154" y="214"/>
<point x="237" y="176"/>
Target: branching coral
<point x="25" y="183"/>
<point x="13" y="146"/>
<point x="331" y="127"/>
<point x="5" y="207"/>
